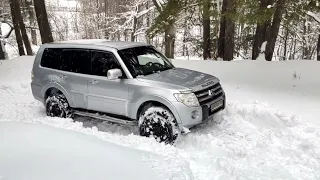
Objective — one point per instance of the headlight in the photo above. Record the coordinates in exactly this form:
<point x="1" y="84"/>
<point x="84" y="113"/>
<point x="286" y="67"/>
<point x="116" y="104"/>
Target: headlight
<point x="189" y="99"/>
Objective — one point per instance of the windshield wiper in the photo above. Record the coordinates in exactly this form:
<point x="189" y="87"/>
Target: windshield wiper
<point x="165" y="68"/>
<point x="148" y="73"/>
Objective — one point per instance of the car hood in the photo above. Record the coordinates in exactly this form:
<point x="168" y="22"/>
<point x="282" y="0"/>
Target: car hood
<point x="186" y="78"/>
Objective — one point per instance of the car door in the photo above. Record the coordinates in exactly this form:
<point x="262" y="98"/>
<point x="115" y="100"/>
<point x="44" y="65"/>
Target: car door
<point x="77" y="62"/>
<point x="104" y="95"/>
<point x="67" y="68"/>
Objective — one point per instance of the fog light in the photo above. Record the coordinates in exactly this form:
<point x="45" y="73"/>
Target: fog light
<point x="195" y="114"/>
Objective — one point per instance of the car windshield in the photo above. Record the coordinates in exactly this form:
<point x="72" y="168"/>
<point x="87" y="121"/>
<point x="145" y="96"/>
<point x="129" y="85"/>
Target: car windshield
<point x="144" y="60"/>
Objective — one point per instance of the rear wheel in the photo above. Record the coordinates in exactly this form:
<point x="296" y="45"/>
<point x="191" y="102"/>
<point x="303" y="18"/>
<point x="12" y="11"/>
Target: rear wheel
<point x="57" y="106"/>
<point x="158" y="122"/>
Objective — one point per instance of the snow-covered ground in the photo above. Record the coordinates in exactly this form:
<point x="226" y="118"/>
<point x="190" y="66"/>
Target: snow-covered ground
<point x="290" y="86"/>
<point x="37" y="152"/>
<point x="269" y="130"/>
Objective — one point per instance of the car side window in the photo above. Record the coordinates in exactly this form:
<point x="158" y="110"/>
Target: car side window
<point x="51" y="58"/>
<point x="102" y="62"/>
<point x="76" y="60"/>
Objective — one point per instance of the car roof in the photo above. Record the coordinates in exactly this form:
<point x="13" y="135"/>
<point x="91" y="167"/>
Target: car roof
<point x="102" y="42"/>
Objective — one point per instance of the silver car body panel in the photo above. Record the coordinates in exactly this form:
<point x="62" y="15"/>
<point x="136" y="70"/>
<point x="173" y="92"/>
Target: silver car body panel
<point x="122" y="97"/>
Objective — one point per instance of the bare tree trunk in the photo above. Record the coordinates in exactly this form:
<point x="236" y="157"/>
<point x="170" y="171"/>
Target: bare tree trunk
<point x="308" y="46"/>
<point x="291" y="47"/>
<point x="43" y="23"/>
<point x="148" y="22"/>
<point x="294" y="49"/>
<point x="227" y="31"/>
<point x="2" y="48"/>
<point x="32" y="22"/>
<point x="2" y="51"/>
<point x="98" y="17"/>
<point x="285" y="44"/>
<point x="169" y="41"/>
<point x="158" y="6"/>
<point x="184" y="47"/>
<point x="185" y="31"/>
<point x="304" y="48"/>
<point x="216" y="33"/>
<point x="125" y="33"/>
<point x="16" y="26"/>
<point x="25" y="37"/>
<point x="275" y="29"/>
<point x="206" y="30"/>
<point x="318" y="48"/>
<point x="262" y="30"/>
<point x="170" y="31"/>
<point x="221" y="40"/>
<point x="106" y="13"/>
<point x="76" y="27"/>
<point x="118" y="35"/>
<point x="230" y="32"/>
<point x="135" y="20"/>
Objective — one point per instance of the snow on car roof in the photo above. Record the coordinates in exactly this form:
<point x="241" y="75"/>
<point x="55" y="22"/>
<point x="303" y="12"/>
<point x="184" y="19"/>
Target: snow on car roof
<point x="103" y="42"/>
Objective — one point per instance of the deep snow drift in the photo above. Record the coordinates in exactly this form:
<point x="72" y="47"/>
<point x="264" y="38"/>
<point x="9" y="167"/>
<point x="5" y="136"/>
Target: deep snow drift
<point x="290" y="86"/>
<point x="38" y="152"/>
<point x="249" y="140"/>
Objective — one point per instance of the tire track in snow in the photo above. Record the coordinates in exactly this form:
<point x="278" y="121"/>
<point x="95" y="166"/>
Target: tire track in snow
<point x="248" y="141"/>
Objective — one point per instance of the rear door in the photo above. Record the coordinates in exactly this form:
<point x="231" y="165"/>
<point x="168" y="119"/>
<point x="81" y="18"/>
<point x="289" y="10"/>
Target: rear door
<point x="104" y="95"/>
<point x="67" y="69"/>
<point x="77" y="62"/>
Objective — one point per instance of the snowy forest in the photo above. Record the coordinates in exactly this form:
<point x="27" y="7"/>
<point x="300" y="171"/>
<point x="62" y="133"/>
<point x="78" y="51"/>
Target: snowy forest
<point x="190" y="29"/>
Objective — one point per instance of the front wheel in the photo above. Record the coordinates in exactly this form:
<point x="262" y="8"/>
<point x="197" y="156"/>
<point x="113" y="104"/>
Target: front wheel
<point x="159" y="123"/>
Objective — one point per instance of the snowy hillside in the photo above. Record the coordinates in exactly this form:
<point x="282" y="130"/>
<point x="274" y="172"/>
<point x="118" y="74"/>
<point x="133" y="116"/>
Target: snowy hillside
<point x="269" y="130"/>
<point x="292" y="86"/>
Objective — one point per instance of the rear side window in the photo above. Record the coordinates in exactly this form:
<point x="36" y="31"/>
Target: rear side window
<point x="51" y="58"/>
<point x="76" y="60"/>
<point x="71" y="60"/>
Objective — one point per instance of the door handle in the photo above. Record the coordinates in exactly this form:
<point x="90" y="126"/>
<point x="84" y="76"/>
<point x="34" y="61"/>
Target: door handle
<point x="63" y="76"/>
<point x="94" y="82"/>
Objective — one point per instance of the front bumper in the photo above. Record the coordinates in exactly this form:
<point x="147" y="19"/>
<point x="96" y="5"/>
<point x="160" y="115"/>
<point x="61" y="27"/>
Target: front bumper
<point x="205" y="112"/>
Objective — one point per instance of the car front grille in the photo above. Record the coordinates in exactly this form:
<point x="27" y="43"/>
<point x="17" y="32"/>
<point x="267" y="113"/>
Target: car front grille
<point x="205" y="97"/>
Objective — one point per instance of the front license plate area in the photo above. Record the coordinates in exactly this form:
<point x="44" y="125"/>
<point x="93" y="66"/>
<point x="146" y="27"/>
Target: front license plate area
<point x="216" y="105"/>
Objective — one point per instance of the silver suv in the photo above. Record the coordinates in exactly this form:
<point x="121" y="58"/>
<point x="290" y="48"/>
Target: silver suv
<point x="124" y="82"/>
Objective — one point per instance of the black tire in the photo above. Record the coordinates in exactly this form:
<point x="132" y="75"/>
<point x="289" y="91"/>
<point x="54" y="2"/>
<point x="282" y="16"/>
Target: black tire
<point x="159" y="123"/>
<point x="57" y="106"/>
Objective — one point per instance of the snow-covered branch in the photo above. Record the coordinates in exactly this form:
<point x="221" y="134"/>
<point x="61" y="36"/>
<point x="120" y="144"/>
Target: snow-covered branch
<point x="9" y="32"/>
<point x="315" y="17"/>
<point x="158" y="4"/>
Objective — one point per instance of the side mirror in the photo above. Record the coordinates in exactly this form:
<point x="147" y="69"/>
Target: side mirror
<point x="114" y="74"/>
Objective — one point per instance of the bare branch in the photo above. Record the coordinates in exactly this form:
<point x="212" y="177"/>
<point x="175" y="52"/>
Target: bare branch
<point x="314" y="16"/>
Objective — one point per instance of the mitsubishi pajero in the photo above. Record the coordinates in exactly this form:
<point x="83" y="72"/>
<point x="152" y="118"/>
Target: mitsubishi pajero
<point x="124" y="82"/>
